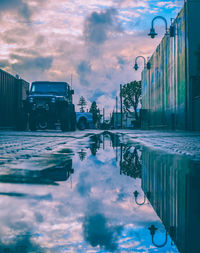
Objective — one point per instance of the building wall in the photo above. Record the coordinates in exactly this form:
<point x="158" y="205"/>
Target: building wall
<point x="168" y="99"/>
<point x="127" y="120"/>
<point x="193" y="56"/>
<point x="12" y="93"/>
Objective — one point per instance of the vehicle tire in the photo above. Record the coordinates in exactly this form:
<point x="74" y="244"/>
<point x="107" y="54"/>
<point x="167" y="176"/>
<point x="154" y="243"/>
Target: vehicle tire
<point x="21" y="122"/>
<point x="42" y="123"/>
<point x="82" y="124"/>
<point x="32" y="123"/>
<point x="65" y="120"/>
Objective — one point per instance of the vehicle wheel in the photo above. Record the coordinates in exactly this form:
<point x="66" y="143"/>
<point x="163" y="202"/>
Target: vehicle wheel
<point x="82" y="124"/>
<point x="21" y="123"/>
<point x="65" y="122"/>
<point x="32" y="123"/>
<point x="42" y="124"/>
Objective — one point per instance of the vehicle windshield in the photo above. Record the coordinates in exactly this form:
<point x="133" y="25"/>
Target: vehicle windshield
<point x="50" y="88"/>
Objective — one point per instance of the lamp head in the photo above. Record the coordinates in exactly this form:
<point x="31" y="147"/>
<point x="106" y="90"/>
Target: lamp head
<point x="172" y="31"/>
<point x="152" y="229"/>
<point x="148" y="65"/>
<point x="136" y="193"/>
<point x="152" y="33"/>
<point x="136" y="66"/>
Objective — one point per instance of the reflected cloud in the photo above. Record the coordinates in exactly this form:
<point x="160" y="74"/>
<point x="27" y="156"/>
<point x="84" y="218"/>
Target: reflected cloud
<point x="20" y="244"/>
<point x="83" y="187"/>
<point x="98" y="232"/>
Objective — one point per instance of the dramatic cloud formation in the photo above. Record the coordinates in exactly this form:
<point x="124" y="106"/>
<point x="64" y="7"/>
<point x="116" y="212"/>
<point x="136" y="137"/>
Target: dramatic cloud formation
<point x="83" y="70"/>
<point x="28" y="63"/>
<point x="18" y="6"/>
<point x="99" y="25"/>
<point x="94" y="42"/>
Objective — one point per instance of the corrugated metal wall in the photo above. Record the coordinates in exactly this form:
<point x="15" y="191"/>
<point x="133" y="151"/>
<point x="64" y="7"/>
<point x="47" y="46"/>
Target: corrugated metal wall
<point x="12" y="93"/>
<point x="8" y="99"/>
<point x="164" y="85"/>
<point x="172" y="184"/>
<point x="193" y="59"/>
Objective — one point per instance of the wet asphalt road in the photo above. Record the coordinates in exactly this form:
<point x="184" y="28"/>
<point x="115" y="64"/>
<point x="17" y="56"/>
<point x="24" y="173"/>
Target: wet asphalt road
<point x="74" y="192"/>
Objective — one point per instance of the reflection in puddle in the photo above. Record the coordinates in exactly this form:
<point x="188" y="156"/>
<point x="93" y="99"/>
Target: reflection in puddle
<point x="20" y="245"/>
<point x="100" y="194"/>
<point x="98" y="232"/>
<point x="60" y="172"/>
<point x="173" y="185"/>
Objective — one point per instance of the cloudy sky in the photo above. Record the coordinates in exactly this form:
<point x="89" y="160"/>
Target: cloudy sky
<point x="93" y="41"/>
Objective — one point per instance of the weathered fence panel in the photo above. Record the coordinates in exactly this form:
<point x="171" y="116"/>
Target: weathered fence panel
<point x="12" y="93"/>
<point x="168" y="97"/>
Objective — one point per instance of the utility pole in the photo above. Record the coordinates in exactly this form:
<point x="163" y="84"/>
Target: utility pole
<point x="121" y="106"/>
<point x="116" y="111"/>
<point x="71" y="80"/>
<point x="103" y="115"/>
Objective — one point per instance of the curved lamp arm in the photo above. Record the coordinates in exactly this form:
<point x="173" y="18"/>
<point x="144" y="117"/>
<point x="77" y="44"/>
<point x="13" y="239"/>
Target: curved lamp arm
<point x="136" y="193"/>
<point x="140" y="56"/>
<point x="152" y="30"/>
<point x="136" y="64"/>
<point x="160" y="17"/>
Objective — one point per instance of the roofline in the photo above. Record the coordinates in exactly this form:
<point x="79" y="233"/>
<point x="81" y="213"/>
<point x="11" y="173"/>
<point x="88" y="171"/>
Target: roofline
<point x="49" y="82"/>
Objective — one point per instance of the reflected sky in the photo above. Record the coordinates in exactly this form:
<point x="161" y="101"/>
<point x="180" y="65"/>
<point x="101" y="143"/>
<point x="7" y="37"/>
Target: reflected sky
<point x="79" y="199"/>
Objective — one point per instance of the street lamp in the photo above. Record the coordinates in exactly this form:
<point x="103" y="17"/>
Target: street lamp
<point x="153" y="33"/>
<point x="136" y="67"/>
<point x="136" y="193"/>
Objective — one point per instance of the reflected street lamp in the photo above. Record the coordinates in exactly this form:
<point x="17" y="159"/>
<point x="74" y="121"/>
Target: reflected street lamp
<point x="153" y="33"/>
<point x="136" y="193"/>
<point x="152" y="230"/>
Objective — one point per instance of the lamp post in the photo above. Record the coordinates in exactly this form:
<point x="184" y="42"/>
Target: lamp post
<point x="153" y="33"/>
<point x="136" y="67"/>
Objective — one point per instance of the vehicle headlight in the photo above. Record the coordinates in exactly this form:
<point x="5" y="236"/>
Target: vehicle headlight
<point x="53" y="100"/>
<point x="30" y="100"/>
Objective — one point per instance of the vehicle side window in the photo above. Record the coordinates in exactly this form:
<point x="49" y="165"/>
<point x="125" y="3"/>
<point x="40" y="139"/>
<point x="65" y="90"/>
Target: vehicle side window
<point x="33" y="88"/>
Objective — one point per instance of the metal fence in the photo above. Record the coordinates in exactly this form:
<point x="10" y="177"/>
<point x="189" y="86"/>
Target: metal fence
<point x="164" y="84"/>
<point x="12" y="93"/>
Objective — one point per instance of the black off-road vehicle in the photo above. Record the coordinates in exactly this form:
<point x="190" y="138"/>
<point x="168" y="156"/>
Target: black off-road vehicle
<point x="49" y="105"/>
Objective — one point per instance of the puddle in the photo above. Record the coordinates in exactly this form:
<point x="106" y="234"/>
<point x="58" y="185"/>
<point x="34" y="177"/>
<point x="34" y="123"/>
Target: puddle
<point x="100" y="194"/>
